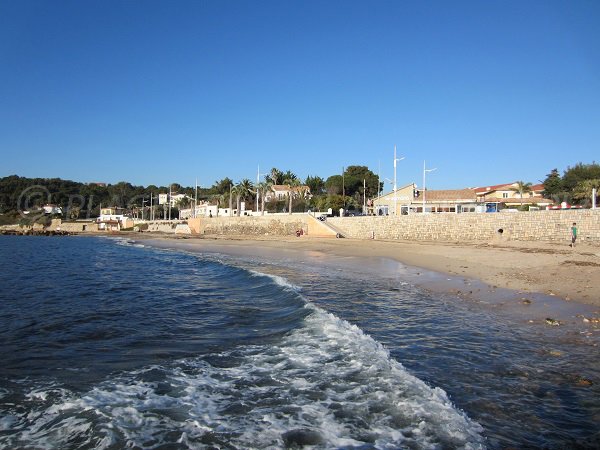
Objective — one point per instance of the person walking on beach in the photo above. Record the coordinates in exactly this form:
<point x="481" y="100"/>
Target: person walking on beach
<point x="573" y="234"/>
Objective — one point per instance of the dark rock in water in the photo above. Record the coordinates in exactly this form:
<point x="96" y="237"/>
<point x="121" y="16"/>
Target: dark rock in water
<point x="302" y="437"/>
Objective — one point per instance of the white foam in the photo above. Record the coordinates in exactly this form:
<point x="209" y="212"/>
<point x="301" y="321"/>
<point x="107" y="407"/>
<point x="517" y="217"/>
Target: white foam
<point x="326" y="381"/>
<point x="280" y="281"/>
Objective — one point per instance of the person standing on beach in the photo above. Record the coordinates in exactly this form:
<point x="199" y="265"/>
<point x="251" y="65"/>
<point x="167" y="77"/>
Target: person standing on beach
<point x="573" y="234"/>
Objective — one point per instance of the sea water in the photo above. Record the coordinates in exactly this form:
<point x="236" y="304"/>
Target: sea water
<point x="109" y="343"/>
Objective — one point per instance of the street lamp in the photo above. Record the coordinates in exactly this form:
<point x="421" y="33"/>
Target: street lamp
<point x="395" y="188"/>
<point x="424" y="172"/>
<point x="391" y="183"/>
<point x="258" y="175"/>
<point x="143" y="206"/>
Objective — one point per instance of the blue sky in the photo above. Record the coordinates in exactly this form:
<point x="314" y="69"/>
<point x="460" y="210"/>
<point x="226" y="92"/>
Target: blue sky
<point x="154" y="92"/>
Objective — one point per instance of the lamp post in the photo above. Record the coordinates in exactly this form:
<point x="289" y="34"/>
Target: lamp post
<point x="391" y="183"/>
<point x="170" y="201"/>
<point x="258" y="175"/>
<point x="424" y="172"/>
<point x="196" y="198"/>
<point x="395" y="187"/>
<point x="143" y="207"/>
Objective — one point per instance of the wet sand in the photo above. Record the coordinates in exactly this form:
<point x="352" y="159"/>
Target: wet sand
<point x="526" y="279"/>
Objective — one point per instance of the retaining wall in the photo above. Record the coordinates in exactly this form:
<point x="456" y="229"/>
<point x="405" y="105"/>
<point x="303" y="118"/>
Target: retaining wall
<point x="281" y="225"/>
<point x="516" y="226"/>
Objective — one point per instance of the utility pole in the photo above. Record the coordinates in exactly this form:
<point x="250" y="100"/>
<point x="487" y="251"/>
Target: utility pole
<point x="196" y="199"/>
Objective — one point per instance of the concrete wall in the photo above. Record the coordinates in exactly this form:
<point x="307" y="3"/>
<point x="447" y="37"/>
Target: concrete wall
<point x="516" y="226"/>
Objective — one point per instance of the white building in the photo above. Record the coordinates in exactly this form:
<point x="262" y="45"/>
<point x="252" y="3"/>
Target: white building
<point x="113" y="219"/>
<point x="163" y="199"/>
<point x="52" y="209"/>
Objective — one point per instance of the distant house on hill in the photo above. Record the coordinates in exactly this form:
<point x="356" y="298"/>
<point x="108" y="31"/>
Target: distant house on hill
<point x="52" y="209"/>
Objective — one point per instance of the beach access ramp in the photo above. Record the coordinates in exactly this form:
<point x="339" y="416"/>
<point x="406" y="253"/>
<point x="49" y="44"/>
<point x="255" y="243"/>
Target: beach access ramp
<point x="322" y="228"/>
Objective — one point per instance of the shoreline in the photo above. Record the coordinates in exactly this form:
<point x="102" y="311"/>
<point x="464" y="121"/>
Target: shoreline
<point x="526" y="280"/>
<point x="550" y="269"/>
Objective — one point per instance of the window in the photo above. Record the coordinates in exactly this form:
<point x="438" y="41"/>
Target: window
<point x="505" y="195"/>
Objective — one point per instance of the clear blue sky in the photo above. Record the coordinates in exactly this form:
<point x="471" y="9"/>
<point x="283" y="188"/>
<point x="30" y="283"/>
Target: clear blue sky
<point x="154" y="92"/>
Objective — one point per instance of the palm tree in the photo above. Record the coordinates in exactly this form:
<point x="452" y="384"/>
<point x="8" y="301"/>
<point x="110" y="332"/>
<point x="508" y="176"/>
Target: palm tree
<point x="522" y="188"/>
<point x="246" y="189"/>
<point x="262" y="189"/>
<point x="231" y="192"/>
<point x="184" y="202"/>
<point x="243" y="190"/>
<point x="275" y="175"/>
<point x="235" y="190"/>
<point x="583" y="190"/>
<point x="291" y="184"/>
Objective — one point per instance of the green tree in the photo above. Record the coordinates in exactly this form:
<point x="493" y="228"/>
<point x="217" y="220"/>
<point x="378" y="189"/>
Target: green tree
<point x="553" y="184"/>
<point x="243" y="191"/>
<point x="583" y="190"/>
<point x="316" y="184"/>
<point x="275" y="176"/>
<point x="578" y="173"/>
<point x="237" y="191"/>
<point x="261" y="190"/>
<point x="222" y="186"/>
<point x="333" y="185"/>
<point x="292" y="185"/>
<point x="355" y="177"/>
<point x="522" y="188"/>
<point x="289" y="175"/>
<point x="184" y="202"/>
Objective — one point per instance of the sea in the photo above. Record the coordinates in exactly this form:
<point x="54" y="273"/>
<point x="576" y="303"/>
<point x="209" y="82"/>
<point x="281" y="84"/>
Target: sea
<point x="111" y="343"/>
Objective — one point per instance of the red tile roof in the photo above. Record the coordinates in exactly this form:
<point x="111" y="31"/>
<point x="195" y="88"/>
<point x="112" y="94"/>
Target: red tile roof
<point x="450" y="195"/>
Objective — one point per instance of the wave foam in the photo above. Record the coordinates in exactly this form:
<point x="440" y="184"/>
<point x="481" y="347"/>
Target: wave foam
<point x="327" y="385"/>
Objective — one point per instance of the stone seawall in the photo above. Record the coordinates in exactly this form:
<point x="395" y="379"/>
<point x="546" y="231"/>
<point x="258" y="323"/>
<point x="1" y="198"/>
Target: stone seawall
<point x="515" y="226"/>
<point x="280" y="225"/>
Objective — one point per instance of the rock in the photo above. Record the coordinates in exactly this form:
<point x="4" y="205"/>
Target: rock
<point x="302" y="437"/>
<point x="552" y="322"/>
<point x="584" y="382"/>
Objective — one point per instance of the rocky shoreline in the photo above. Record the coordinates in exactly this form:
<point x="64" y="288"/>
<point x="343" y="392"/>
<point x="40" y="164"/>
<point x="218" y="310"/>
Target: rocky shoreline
<point x="29" y="232"/>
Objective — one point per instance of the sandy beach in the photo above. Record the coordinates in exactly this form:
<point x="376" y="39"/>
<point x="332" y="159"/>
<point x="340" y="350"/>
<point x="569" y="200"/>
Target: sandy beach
<point x="568" y="275"/>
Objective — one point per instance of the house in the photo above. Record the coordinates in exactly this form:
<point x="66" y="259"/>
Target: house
<point x="173" y="200"/>
<point x="508" y="196"/>
<point x="52" y="209"/>
<point x="446" y="200"/>
<point x="393" y="201"/>
<point x="203" y="209"/>
<point x="408" y="199"/>
<point x="282" y="191"/>
<point x="113" y="219"/>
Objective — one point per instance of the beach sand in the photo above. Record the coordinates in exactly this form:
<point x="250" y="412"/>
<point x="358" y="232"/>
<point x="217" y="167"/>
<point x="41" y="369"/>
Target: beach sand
<point x="564" y="277"/>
